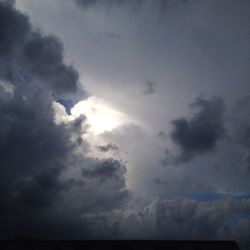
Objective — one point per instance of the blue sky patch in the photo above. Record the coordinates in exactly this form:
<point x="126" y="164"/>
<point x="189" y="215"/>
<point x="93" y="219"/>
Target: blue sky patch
<point x="67" y="104"/>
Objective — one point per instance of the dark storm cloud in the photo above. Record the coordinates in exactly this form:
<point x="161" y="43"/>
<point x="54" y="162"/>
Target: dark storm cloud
<point x="13" y="27"/>
<point x="49" y="189"/>
<point x="107" y="148"/>
<point x="179" y="219"/>
<point x="41" y="189"/>
<point x="41" y="57"/>
<point x="29" y="132"/>
<point x="200" y="133"/>
<point x="105" y="169"/>
<point x="104" y="185"/>
<point x="35" y="152"/>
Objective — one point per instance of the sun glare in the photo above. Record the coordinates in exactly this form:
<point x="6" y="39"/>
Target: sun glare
<point x="99" y="115"/>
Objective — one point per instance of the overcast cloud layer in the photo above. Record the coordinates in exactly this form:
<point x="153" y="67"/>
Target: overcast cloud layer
<point x="176" y="166"/>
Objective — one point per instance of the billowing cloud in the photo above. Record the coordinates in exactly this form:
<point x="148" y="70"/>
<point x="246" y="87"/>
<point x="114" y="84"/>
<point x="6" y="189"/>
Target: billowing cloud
<point x="178" y="219"/>
<point x="38" y="156"/>
<point x="33" y="54"/>
<point x="107" y="148"/>
<point x="43" y="57"/>
<point x="104" y="169"/>
<point x="200" y="133"/>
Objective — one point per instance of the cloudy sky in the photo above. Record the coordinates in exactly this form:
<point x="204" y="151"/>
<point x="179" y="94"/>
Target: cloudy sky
<point x="125" y="119"/>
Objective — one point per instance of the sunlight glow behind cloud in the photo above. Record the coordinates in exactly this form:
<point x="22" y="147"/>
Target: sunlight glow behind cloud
<point x="100" y="116"/>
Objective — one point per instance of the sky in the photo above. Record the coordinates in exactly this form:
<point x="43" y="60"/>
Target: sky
<point x="125" y="119"/>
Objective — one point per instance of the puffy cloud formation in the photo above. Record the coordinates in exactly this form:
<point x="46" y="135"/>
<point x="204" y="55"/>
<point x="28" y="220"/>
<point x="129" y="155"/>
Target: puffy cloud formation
<point x="105" y="171"/>
<point x="44" y="189"/>
<point x="200" y="133"/>
<point x="178" y="219"/>
<point x="28" y="51"/>
<point x="43" y="57"/>
<point x="107" y="148"/>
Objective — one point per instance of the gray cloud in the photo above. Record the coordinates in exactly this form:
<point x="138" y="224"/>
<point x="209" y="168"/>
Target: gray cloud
<point x="35" y="153"/>
<point x="178" y="219"/>
<point x="200" y="133"/>
<point x="14" y="28"/>
<point x="50" y="189"/>
<point x="107" y="148"/>
<point x="38" y="156"/>
<point x="105" y="169"/>
<point x="43" y="57"/>
<point x="41" y="190"/>
<point x="40" y="57"/>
